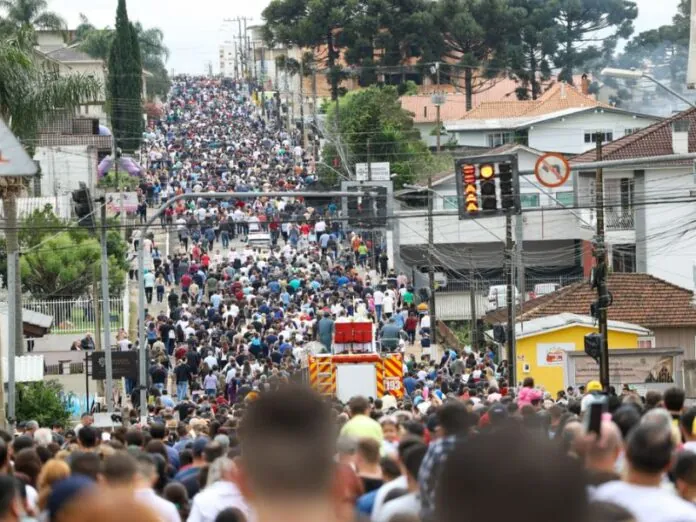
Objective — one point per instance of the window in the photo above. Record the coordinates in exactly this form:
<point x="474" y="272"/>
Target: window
<point x="566" y="199"/>
<point x="450" y="203"/>
<point x="646" y="341"/>
<point x="496" y="139"/>
<point x="529" y="200"/>
<point x="632" y="130"/>
<point x="591" y="137"/>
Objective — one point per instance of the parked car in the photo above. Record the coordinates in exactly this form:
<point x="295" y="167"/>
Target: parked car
<point x="544" y="289"/>
<point x="497" y="297"/>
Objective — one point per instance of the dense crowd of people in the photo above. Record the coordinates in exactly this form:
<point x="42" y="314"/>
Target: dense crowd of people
<point x="234" y="434"/>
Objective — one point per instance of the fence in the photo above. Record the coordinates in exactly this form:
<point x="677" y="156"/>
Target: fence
<point x="75" y="316"/>
<point x="484" y="283"/>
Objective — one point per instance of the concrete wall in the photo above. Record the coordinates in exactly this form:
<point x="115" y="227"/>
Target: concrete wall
<point x="63" y="168"/>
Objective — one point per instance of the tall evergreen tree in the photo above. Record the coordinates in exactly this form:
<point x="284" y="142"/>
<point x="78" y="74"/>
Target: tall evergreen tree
<point x="532" y="51"/>
<point x="477" y="34"/>
<point x="590" y="30"/>
<point x="125" y="83"/>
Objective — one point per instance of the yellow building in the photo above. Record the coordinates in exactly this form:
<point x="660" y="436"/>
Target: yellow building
<point x="542" y="345"/>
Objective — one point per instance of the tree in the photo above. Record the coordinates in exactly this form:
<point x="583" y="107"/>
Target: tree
<point x="373" y="118"/>
<point x="42" y="401"/>
<point x="590" y="30"/>
<point x="663" y="50"/>
<point x="29" y="13"/>
<point x="476" y="34"/>
<point x="314" y="24"/>
<point x="30" y="91"/>
<point x="533" y="49"/>
<point x="154" y="54"/>
<point x="125" y="83"/>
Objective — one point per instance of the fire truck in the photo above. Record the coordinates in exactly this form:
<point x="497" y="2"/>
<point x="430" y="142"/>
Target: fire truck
<point x="355" y="367"/>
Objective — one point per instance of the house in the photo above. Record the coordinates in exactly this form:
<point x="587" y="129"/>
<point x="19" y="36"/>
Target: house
<point x="666" y="309"/>
<point x="555" y="238"/>
<point x="564" y="119"/>
<point x="649" y="214"/>
<point x="543" y="346"/>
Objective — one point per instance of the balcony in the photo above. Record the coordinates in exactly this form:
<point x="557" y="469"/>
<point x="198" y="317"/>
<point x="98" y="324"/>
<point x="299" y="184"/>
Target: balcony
<point x="619" y="219"/>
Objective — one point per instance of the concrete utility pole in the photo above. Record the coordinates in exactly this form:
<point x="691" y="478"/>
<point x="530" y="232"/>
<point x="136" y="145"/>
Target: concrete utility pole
<point x="437" y="106"/>
<point x="511" y="299"/>
<point x="302" y="122"/>
<point x="106" y="310"/>
<point x="472" y="303"/>
<point x="14" y="292"/>
<point x="519" y="262"/>
<point x="431" y="261"/>
<point x="601" y="257"/>
<point x="314" y="113"/>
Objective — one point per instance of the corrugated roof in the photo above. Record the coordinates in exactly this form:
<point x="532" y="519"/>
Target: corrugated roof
<point x="28" y="368"/>
<point x="31" y="317"/>
<point x="638" y="298"/>
<point x="655" y="140"/>
<point x="565" y="320"/>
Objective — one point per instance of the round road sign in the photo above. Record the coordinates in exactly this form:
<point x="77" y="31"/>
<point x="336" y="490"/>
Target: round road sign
<point x="552" y="170"/>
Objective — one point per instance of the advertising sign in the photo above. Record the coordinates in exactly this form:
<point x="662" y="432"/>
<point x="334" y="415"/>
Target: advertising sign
<point x="629" y="369"/>
<point x="553" y="354"/>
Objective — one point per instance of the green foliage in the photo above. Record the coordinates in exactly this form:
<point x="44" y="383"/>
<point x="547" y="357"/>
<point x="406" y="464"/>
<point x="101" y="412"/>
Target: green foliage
<point x="376" y="113"/>
<point x="62" y="264"/>
<point x="407" y="89"/>
<point x="590" y="30"/>
<point x="42" y="402"/>
<point x="29" y="90"/>
<point x="29" y="13"/>
<point x="533" y="47"/>
<point x="311" y="24"/>
<point x="125" y="83"/>
<point x="476" y="33"/>
<point x="664" y="50"/>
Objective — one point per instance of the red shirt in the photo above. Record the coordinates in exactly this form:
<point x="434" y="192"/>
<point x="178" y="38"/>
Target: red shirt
<point x="186" y="281"/>
<point x="205" y="260"/>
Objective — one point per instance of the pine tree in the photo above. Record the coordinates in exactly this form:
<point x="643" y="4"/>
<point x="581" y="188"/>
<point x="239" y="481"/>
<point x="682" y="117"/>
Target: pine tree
<point x="590" y="30"/>
<point x="125" y="83"/>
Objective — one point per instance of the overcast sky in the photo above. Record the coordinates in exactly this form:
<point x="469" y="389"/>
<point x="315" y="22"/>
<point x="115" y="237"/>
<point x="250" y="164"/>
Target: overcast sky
<point x="194" y="28"/>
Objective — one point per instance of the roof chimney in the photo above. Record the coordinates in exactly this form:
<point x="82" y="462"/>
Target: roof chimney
<point x="563" y="90"/>
<point x="680" y="136"/>
<point x="585" y="84"/>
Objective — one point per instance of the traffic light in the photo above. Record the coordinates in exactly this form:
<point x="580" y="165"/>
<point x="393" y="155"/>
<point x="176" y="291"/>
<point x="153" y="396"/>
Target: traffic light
<point x="84" y="209"/>
<point x="489" y="201"/>
<point x="593" y="346"/>
<point x="507" y="196"/>
<point x="379" y="209"/>
<point x="471" y="201"/>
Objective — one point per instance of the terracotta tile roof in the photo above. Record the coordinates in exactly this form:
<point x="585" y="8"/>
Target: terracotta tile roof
<point x="558" y="97"/>
<point x="641" y="299"/>
<point x="655" y="140"/>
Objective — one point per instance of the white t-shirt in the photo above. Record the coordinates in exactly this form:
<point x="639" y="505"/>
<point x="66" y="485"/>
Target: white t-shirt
<point x="378" y="297"/>
<point x="406" y="504"/>
<point x="398" y="483"/>
<point x="388" y="304"/>
<point x="123" y="345"/>
<point x="646" y="503"/>
<point x="165" y="510"/>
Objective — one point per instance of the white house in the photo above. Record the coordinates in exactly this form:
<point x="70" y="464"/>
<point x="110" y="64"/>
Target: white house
<point x="555" y="239"/>
<point x="563" y="120"/>
<point x="650" y="217"/>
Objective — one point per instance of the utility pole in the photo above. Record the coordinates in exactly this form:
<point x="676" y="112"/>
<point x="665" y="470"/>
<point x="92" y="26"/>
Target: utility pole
<point x="105" y="310"/>
<point x="14" y="293"/>
<point x="472" y="303"/>
<point x="511" y="298"/>
<point x="601" y="257"/>
<point x="431" y="261"/>
<point x="369" y="159"/>
<point x="519" y="263"/>
<point x="437" y="106"/>
<point x="314" y="112"/>
<point x="302" y="122"/>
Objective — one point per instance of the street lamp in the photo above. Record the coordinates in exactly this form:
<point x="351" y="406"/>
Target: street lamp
<point x="635" y="74"/>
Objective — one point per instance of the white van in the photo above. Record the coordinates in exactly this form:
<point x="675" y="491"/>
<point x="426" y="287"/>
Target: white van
<point x="497" y="297"/>
<point x="542" y="289"/>
<point x="259" y="239"/>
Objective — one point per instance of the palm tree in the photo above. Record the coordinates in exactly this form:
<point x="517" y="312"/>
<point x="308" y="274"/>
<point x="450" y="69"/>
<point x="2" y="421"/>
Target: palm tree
<point x="29" y="91"/>
<point x="30" y="13"/>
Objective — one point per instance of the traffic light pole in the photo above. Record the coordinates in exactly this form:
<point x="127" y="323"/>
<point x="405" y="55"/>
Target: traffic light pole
<point x="106" y="311"/>
<point x="511" y="300"/>
<point x="601" y="257"/>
